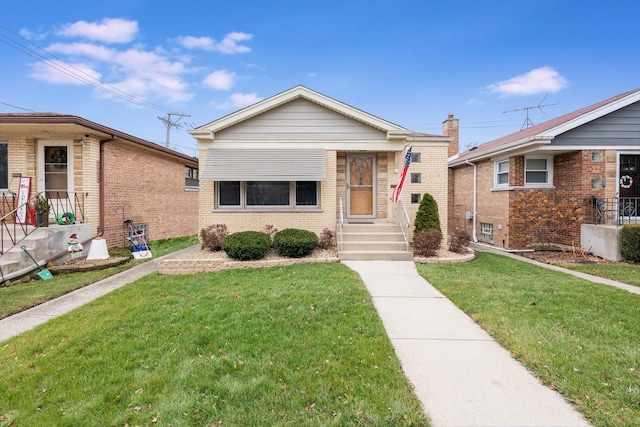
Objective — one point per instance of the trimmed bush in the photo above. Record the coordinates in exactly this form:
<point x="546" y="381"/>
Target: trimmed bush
<point x="327" y="239"/>
<point x="630" y="242"/>
<point x="427" y="242"/>
<point x="459" y="242"/>
<point x="246" y="245"/>
<point x="427" y="216"/>
<point x="212" y="237"/>
<point x="295" y="243"/>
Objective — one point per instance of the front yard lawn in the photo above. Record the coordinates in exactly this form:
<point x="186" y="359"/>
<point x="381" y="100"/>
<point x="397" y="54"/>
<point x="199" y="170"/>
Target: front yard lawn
<point x="284" y="346"/>
<point x="580" y="338"/>
<point x="22" y="296"/>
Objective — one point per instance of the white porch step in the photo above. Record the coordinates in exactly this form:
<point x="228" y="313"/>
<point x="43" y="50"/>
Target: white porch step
<point x="375" y="241"/>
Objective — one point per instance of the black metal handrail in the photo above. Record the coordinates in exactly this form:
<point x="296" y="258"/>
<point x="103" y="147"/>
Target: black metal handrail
<point x="14" y="230"/>
<point x="65" y="202"/>
<point x="615" y="210"/>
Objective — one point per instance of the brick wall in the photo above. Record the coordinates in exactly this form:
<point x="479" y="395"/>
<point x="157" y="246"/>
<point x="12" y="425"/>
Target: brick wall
<point x="235" y="221"/>
<point x="147" y="188"/>
<point x="433" y="172"/>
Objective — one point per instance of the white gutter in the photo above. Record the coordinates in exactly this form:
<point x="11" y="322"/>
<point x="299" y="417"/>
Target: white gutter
<point x="475" y="185"/>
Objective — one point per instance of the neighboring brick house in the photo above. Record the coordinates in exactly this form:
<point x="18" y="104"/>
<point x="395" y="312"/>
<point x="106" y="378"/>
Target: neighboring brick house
<point x="101" y="175"/>
<point x="290" y="160"/>
<point x="589" y="156"/>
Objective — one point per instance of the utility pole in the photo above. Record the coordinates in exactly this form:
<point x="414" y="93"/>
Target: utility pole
<point x="528" y="123"/>
<point x="169" y="123"/>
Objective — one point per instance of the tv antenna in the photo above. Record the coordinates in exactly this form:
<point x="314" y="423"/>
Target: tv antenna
<point x="527" y="122"/>
<point x="171" y="123"/>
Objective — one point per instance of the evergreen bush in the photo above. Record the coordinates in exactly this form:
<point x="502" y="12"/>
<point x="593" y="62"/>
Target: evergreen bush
<point x="246" y="245"/>
<point x="295" y="243"/>
<point x="427" y="216"/>
<point x="630" y="242"/>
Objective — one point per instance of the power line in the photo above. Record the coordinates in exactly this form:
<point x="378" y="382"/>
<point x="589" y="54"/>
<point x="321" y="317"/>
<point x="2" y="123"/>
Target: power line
<point x="70" y="70"/>
<point x="15" y="106"/>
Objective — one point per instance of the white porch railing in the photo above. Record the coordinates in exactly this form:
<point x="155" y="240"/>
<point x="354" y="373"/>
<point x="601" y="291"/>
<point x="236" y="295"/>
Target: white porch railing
<point x="401" y="216"/>
<point x="340" y="225"/>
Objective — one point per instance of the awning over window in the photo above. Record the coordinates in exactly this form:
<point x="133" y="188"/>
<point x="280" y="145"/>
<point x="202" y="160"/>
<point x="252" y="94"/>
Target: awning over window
<point x="264" y="165"/>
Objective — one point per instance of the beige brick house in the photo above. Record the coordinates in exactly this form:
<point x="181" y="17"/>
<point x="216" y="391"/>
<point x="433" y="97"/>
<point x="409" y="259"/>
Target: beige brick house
<point x="99" y="174"/>
<point x="294" y="159"/>
<point x="590" y="156"/>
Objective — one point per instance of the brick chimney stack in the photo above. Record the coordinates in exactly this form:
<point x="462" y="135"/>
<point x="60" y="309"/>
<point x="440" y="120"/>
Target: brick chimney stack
<point x="451" y="128"/>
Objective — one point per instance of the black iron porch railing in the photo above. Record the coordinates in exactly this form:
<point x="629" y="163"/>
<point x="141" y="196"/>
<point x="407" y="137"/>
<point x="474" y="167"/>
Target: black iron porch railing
<point x="615" y="210"/>
<point x="12" y="232"/>
<point x="64" y="202"/>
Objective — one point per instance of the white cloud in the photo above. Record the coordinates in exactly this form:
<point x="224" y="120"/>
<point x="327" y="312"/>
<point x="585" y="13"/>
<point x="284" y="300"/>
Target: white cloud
<point x="228" y="45"/>
<point x="54" y="72"/>
<point x="239" y="100"/>
<point x="538" y="80"/>
<point x="220" y="80"/>
<point x="109" y="30"/>
<point x="83" y="49"/>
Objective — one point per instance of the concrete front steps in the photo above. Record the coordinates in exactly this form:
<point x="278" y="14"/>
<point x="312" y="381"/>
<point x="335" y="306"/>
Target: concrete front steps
<point x="374" y="241"/>
<point x="42" y="243"/>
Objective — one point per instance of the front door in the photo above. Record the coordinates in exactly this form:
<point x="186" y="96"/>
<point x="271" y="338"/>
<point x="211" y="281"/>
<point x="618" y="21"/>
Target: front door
<point x="55" y="170"/>
<point x="629" y="185"/>
<point x="361" y="186"/>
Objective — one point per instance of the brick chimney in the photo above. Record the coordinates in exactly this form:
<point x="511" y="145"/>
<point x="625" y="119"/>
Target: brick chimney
<point x="451" y="128"/>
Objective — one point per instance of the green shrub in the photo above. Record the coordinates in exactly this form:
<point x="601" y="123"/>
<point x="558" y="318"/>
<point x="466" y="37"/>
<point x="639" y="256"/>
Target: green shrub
<point x="427" y="242"/>
<point x="246" y="245"/>
<point x="630" y="242"/>
<point x="212" y="236"/>
<point x="427" y="216"/>
<point x="295" y="243"/>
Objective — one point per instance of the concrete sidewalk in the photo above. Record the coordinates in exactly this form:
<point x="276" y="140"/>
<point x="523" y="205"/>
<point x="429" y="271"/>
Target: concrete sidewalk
<point x="460" y="374"/>
<point x="29" y="319"/>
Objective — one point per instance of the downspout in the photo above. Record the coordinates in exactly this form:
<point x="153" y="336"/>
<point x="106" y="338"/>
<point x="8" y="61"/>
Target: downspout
<point x="475" y="186"/>
<point x="101" y="177"/>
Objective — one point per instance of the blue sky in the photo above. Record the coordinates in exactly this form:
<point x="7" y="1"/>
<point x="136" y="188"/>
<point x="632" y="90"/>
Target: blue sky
<point x="124" y="63"/>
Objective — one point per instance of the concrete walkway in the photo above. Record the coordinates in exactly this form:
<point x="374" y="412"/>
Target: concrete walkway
<point x="460" y="374"/>
<point x="29" y="319"/>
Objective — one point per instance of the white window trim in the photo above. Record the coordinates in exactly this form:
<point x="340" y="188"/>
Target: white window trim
<point x="291" y="207"/>
<point x="496" y="173"/>
<point x="549" y="171"/>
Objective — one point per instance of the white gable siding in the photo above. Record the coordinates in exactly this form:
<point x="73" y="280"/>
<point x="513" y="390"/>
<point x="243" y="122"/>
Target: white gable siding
<point x="300" y="120"/>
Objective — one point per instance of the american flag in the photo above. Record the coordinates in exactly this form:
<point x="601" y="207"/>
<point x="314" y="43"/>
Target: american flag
<point x="397" y="192"/>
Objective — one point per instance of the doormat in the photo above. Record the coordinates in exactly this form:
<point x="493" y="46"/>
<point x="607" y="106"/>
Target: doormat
<point x="361" y="222"/>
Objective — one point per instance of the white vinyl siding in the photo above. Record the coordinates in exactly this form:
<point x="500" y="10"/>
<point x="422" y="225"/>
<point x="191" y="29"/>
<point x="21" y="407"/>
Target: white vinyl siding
<point x="300" y="120"/>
